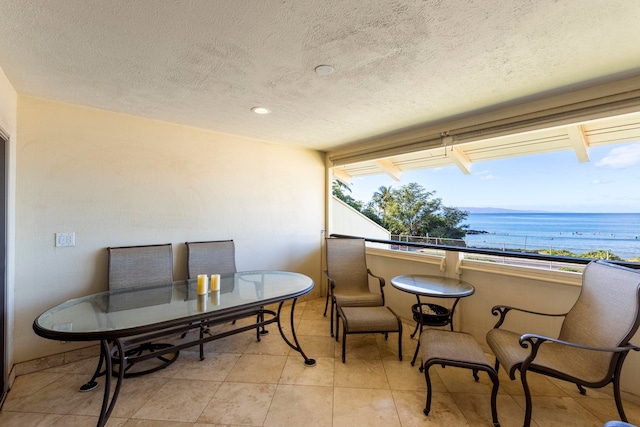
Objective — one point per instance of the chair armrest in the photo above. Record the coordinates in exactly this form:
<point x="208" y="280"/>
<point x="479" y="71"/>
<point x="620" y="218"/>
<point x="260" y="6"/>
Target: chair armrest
<point x="332" y="283"/>
<point x="381" y="281"/>
<point x="536" y="341"/>
<point x="502" y="311"/>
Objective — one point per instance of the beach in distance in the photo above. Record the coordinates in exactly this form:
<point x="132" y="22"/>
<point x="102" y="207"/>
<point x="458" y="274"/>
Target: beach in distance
<point x="618" y="233"/>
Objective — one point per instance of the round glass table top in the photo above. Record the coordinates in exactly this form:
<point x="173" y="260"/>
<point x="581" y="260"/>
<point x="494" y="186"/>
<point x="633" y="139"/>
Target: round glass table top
<point x="432" y="286"/>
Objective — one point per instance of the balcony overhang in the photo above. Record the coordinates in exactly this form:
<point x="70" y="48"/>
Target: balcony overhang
<point x="575" y="121"/>
<point x="578" y="138"/>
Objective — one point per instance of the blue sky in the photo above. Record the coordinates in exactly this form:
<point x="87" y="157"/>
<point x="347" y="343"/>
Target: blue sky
<point x="554" y="182"/>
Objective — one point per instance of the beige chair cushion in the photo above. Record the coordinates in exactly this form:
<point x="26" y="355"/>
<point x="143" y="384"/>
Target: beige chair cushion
<point x="565" y="360"/>
<point x="451" y="346"/>
<point x="369" y="319"/>
<point x="357" y="299"/>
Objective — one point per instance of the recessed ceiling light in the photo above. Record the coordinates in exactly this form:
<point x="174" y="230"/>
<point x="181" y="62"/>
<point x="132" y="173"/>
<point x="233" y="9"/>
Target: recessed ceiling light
<point x="324" y="70"/>
<point x="260" y="110"/>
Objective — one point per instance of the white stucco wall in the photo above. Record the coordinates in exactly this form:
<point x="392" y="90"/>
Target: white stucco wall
<point x="346" y="220"/>
<point x="119" y="180"/>
<point x="8" y="124"/>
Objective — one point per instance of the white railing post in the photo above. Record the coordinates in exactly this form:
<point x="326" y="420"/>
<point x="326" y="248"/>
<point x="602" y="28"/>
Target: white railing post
<point x="451" y="262"/>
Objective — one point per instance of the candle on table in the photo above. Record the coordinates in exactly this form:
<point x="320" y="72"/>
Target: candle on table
<point x="215" y="282"/>
<point x="203" y="284"/>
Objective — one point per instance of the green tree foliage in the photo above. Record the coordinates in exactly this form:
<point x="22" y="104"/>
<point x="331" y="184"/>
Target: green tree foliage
<point x="556" y="252"/>
<point x="600" y="254"/>
<point x="409" y="210"/>
<point x="338" y="190"/>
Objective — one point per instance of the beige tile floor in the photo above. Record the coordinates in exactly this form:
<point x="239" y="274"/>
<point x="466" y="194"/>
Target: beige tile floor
<point x="243" y="382"/>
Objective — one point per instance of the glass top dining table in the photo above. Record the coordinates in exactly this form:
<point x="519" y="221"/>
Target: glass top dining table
<point x="113" y="317"/>
<point x="132" y="311"/>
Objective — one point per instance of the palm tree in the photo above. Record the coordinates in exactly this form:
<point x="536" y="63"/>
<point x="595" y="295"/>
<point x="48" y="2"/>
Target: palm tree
<point x="381" y="199"/>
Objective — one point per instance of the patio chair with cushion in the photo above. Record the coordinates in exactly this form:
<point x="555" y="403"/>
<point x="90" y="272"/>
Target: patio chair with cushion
<point x="150" y="267"/>
<point x="593" y="340"/>
<point x="348" y="276"/>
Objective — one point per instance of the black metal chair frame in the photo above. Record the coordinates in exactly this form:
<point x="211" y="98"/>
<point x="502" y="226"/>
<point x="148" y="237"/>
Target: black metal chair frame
<point x="475" y="367"/>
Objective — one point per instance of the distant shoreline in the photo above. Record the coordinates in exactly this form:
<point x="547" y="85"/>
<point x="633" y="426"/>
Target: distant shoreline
<point x="500" y="210"/>
<point x="517" y="211"/>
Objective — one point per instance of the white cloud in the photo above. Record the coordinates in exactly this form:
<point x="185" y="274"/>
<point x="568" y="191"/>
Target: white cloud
<point x="622" y="157"/>
<point x="489" y="176"/>
<point x="600" y="181"/>
<point x="486" y="174"/>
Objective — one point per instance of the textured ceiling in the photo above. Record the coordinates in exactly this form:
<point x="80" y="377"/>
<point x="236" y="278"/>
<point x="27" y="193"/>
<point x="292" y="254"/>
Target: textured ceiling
<point x="397" y="63"/>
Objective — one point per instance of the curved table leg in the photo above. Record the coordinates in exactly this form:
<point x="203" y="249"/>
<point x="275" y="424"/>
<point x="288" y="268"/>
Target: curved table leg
<point x="107" y="406"/>
<point x="415" y="355"/>
<point x="451" y="313"/>
<point x="417" y="323"/>
<point x="92" y="384"/>
<point x="296" y="346"/>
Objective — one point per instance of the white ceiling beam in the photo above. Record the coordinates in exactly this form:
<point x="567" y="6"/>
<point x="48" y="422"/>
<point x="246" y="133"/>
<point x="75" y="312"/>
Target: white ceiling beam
<point x="578" y="139"/>
<point x="342" y="176"/>
<point x="461" y="159"/>
<point x="390" y="169"/>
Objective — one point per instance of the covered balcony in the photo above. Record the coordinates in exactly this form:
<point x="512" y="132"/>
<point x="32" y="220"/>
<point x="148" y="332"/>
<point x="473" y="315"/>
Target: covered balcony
<point x="127" y="123"/>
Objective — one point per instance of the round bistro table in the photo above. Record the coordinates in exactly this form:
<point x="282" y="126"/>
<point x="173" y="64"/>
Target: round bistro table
<point x="430" y="314"/>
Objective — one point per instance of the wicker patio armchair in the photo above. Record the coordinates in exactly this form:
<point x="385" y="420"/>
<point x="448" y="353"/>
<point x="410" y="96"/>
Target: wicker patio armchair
<point x="593" y="341"/>
<point x="348" y="276"/>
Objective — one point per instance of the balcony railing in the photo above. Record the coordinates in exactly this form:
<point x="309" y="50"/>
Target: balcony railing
<point x="414" y="244"/>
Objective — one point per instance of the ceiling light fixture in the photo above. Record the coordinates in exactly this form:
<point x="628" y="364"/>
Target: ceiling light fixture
<point x="324" y="70"/>
<point x="260" y="110"/>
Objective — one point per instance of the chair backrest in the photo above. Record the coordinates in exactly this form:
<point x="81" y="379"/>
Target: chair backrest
<point x="214" y="257"/>
<point x="347" y="263"/>
<point x="135" y="266"/>
<point x="606" y="314"/>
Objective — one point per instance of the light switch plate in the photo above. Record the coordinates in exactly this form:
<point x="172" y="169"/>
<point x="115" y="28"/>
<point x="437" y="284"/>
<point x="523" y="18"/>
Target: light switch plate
<point x="65" y="239"/>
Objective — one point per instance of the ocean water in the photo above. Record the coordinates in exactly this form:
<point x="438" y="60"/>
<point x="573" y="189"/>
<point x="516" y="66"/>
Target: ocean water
<point x="576" y="232"/>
